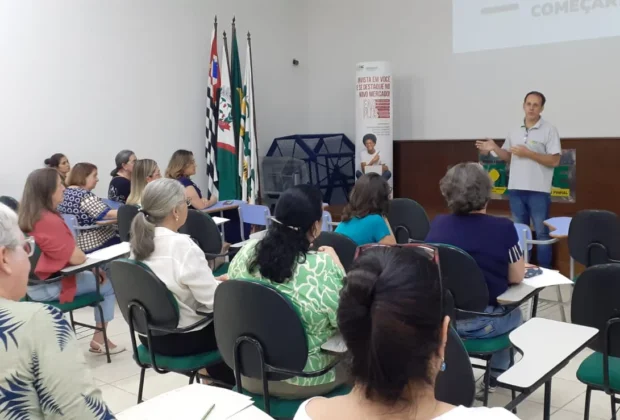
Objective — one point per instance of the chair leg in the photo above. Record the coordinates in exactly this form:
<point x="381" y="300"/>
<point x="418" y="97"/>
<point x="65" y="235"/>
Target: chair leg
<point x="191" y="377"/>
<point x="141" y="386"/>
<point x="486" y="383"/>
<point x="586" y="412"/>
<point x="561" y="301"/>
<point x="105" y="335"/>
<point x="613" y="407"/>
<point x="512" y="363"/>
<point x="72" y="321"/>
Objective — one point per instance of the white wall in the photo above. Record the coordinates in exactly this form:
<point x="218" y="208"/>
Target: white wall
<point x="440" y="95"/>
<point x="88" y="78"/>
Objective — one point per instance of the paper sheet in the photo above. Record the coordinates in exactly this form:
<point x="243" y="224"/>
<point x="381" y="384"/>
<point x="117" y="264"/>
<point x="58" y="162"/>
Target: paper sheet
<point x="220" y="220"/>
<point x="110" y="252"/>
<point x="190" y="403"/>
<point x="335" y="344"/>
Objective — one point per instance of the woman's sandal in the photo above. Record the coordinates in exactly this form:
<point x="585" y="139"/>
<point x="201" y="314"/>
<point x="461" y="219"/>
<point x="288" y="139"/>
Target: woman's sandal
<point x="99" y="348"/>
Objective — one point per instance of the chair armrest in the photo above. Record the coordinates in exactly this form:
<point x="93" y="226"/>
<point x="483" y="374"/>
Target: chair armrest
<point x="89" y="227"/>
<point x="203" y="321"/>
<point x="313" y="374"/>
<point x="511" y="307"/>
<point x="539" y="242"/>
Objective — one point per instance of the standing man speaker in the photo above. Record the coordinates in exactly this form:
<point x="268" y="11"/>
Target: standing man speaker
<point x="532" y="151"/>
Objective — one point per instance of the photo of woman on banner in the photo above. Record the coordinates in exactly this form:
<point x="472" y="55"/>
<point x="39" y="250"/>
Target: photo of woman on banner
<point x="371" y="159"/>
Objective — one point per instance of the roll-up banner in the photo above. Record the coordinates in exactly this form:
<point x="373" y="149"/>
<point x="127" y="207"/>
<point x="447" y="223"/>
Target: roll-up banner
<point x="374" y="119"/>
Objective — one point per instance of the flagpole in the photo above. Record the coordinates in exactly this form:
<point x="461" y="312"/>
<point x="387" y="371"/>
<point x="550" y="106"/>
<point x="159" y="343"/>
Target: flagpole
<point x="258" y="191"/>
<point x="226" y="49"/>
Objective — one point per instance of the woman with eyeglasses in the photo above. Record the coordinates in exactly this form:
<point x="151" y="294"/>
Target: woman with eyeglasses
<point x="144" y="172"/>
<point x="491" y="241"/>
<point x="181" y="167"/>
<point x="364" y="218"/>
<point x="43" y="374"/>
<point x="391" y="319"/>
<point x="181" y="265"/>
<point x="120" y="185"/>
<point x="310" y="280"/>
<point x="39" y="218"/>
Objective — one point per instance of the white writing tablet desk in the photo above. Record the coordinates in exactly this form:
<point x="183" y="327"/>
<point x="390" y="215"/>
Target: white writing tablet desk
<point x="547" y="346"/>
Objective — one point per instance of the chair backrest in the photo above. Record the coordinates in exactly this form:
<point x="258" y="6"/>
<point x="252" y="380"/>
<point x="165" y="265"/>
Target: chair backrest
<point x="10" y="202"/>
<point x="126" y="213"/>
<point x="327" y="222"/>
<point x="408" y="220"/>
<point x="133" y="281"/>
<point x="254" y="214"/>
<point x="249" y="309"/>
<point x="524" y="232"/>
<point x="595" y="302"/>
<point x="343" y="245"/>
<point x="594" y="237"/>
<point x="462" y="277"/>
<point x="457" y="384"/>
<point x="71" y="221"/>
<point x="203" y="230"/>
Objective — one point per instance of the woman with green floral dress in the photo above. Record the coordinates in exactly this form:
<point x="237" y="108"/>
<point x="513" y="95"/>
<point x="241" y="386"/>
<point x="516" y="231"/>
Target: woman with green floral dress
<point x="310" y="280"/>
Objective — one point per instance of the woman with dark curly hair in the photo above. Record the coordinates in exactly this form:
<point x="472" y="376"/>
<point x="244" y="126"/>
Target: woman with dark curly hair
<point x="364" y="219"/>
<point x="310" y="280"/>
<point x="491" y="241"/>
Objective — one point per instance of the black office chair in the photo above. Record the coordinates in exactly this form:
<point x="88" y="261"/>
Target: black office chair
<point x="457" y="384"/>
<point x="467" y="290"/>
<point x="203" y="230"/>
<point x="10" y="202"/>
<point x="595" y="304"/>
<point x="151" y="310"/>
<point x="125" y="216"/>
<point x="264" y="340"/>
<point x="594" y="237"/>
<point x="343" y="245"/>
<point x="408" y="220"/>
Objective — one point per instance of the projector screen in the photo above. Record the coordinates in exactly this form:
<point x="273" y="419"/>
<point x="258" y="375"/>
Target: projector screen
<point x="495" y="24"/>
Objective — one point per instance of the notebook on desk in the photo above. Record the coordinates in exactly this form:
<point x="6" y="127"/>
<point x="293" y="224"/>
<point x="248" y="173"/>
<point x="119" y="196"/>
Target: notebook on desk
<point x="519" y="291"/>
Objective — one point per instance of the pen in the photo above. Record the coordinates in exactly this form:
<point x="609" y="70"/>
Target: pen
<point x="208" y="412"/>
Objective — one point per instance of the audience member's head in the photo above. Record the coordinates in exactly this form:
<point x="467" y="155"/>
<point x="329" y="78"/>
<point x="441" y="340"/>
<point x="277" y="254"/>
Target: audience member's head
<point x="163" y="204"/>
<point x="124" y="161"/>
<point x="182" y="163"/>
<point x="391" y="321"/>
<point x="370" y="195"/>
<point x="59" y="162"/>
<point x="83" y="175"/>
<point x="144" y="171"/>
<point x="370" y="141"/>
<point x="296" y="224"/>
<point x="466" y="188"/>
<point x="14" y="253"/>
<point x="43" y="192"/>
<point x="10" y="202"/>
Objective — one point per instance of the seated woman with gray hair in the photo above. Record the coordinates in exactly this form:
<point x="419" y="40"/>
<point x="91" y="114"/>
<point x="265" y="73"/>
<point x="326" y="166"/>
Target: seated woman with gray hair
<point x="43" y="374"/>
<point x="491" y="241"/>
<point x="181" y="265"/>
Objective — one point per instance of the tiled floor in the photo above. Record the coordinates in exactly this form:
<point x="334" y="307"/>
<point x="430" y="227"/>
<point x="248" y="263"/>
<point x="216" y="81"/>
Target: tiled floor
<point x="119" y="380"/>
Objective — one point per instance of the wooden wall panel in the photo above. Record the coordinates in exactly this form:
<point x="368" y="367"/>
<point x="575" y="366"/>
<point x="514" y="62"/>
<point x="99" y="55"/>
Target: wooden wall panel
<point x="419" y="165"/>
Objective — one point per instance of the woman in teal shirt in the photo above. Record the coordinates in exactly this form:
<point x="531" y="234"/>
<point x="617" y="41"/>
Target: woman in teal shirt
<point x="364" y="219"/>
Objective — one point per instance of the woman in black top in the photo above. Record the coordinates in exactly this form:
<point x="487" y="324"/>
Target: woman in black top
<point x="120" y="186"/>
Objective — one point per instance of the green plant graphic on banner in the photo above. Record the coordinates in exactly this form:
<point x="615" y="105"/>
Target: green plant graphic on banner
<point x="562" y="186"/>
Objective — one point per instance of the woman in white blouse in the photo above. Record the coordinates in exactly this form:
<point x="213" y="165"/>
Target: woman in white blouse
<point x="181" y="265"/>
